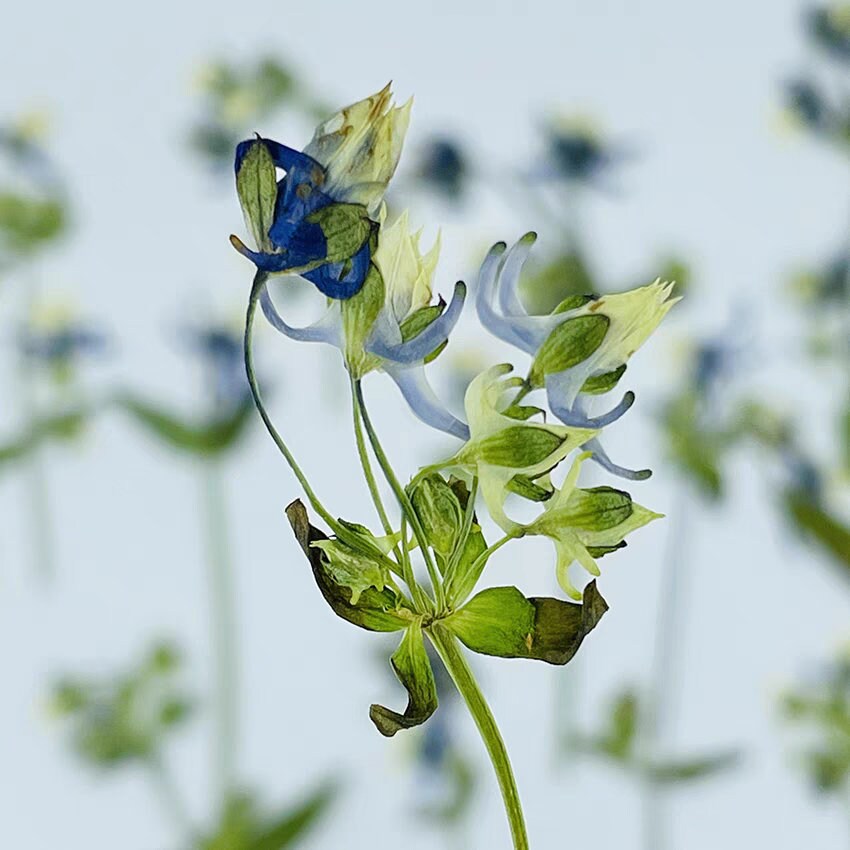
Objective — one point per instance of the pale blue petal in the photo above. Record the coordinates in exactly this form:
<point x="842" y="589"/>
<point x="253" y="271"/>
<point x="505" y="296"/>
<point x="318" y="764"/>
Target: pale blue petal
<point x="509" y="275"/>
<point x="575" y="417"/>
<point x="326" y="330"/>
<point x="424" y="343"/>
<point x="424" y="403"/>
<point x="521" y="330"/>
<point x="599" y="455"/>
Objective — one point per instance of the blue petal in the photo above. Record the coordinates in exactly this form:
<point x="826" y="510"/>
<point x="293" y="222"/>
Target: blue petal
<point x="599" y="455"/>
<point x="424" y="343"/>
<point x="510" y="273"/>
<point x="330" y="280"/>
<point x="574" y="417"/>
<point x="325" y="330"/>
<point x="525" y="332"/>
<point x="424" y="403"/>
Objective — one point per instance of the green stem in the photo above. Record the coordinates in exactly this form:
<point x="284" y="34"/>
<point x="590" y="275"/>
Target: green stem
<point x="223" y="632"/>
<point x="665" y="676"/>
<point x="41" y="526"/>
<point x="318" y="507"/>
<point x="403" y="499"/>
<point x="367" y="466"/>
<point x="452" y="656"/>
<point x="169" y="797"/>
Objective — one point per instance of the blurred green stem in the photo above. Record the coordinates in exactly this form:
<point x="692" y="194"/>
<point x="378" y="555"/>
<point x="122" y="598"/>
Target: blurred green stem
<point x="38" y="497"/>
<point x="223" y="630"/>
<point x="659" y="711"/>
<point x="452" y="656"/>
<point x="169" y="797"/>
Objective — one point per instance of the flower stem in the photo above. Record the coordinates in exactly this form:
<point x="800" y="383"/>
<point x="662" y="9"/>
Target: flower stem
<point x="452" y="657"/>
<point x="223" y="632"/>
<point x="665" y="676"/>
<point x="403" y="499"/>
<point x="169" y="796"/>
<point x="256" y="287"/>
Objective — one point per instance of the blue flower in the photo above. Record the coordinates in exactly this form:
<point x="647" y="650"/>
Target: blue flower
<point x="443" y="166"/>
<point x="220" y="348"/>
<point x="581" y="349"/>
<point x="57" y="338"/>
<point x="391" y="324"/>
<point x="320" y="219"/>
<point x="575" y="151"/>
<point x="830" y="27"/>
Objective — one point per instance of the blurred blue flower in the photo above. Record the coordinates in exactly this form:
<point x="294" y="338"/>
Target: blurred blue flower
<point x="809" y="106"/>
<point x="220" y="348"/>
<point x="576" y="151"/>
<point x="443" y="166"/>
<point x="830" y="28"/>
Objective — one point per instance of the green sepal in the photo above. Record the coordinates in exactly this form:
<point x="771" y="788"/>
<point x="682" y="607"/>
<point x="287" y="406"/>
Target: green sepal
<point x="346" y="228"/>
<point x="568" y="345"/>
<point x="351" y="569"/>
<point x="205" y="439"/>
<point x="501" y="621"/>
<point x="463" y="578"/>
<point x="358" y="316"/>
<point x="599" y="384"/>
<point x="376" y="610"/>
<point x="439" y="511"/>
<point x="256" y="186"/>
<point x="523" y="486"/>
<point x="519" y="446"/>
<point x="596" y="508"/>
<point x="412" y="667"/>
<point x="522" y="412"/>
<point x="417" y="321"/>
<point x="601" y="551"/>
<point x="572" y="302"/>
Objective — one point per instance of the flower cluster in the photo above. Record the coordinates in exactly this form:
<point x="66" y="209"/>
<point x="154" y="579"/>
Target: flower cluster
<point x="324" y="220"/>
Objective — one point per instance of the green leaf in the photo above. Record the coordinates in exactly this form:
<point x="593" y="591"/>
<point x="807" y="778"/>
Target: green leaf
<point x="293" y="823"/>
<point x="518" y="446"/>
<point x="377" y="611"/>
<point x="205" y="439"/>
<point x="832" y="535"/>
<point x="684" y="770"/>
<point x="568" y="345"/>
<point x="617" y="741"/>
<point x="346" y="228"/>
<point x="439" y="511"/>
<point x="413" y="669"/>
<point x="501" y="621"/>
